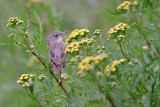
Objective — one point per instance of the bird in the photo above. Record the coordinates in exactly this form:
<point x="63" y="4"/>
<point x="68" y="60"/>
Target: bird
<point x="57" y="49"/>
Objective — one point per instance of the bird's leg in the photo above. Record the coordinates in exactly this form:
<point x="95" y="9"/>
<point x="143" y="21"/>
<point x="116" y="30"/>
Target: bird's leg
<point x="60" y="81"/>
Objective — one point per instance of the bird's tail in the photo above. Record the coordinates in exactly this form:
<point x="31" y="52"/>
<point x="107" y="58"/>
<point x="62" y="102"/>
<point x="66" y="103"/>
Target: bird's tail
<point x="57" y="68"/>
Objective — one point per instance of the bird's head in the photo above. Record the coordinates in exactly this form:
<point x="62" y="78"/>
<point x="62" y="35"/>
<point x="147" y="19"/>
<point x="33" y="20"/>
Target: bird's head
<point x="57" y="36"/>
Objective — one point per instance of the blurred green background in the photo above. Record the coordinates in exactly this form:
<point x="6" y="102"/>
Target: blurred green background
<point x="64" y="15"/>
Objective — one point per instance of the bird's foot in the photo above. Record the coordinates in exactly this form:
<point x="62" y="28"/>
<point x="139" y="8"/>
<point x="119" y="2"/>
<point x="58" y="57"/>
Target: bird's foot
<point x="60" y="82"/>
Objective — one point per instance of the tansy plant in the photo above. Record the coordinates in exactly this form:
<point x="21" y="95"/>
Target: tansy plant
<point x="120" y="68"/>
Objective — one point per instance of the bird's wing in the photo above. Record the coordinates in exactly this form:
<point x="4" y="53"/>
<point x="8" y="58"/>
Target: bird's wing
<point x="57" y="52"/>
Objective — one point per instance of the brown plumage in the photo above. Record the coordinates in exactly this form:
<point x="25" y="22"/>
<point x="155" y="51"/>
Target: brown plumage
<point x="57" y="50"/>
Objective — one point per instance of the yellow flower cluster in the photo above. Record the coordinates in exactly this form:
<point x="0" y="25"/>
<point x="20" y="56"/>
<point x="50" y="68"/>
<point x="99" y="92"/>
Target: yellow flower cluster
<point x="85" y="64"/>
<point x="74" y="46"/>
<point x="97" y="32"/>
<point x="99" y="49"/>
<point x="42" y="77"/>
<point x="25" y="79"/>
<point x="112" y="66"/>
<point x="119" y="27"/>
<point x="76" y="33"/>
<point x="13" y="22"/>
<point x="126" y="5"/>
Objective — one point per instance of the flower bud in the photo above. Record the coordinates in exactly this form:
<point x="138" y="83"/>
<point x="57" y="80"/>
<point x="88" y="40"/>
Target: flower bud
<point x="27" y="35"/>
<point x="31" y="47"/>
<point x="145" y="48"/>
<point x="11" y="36"/>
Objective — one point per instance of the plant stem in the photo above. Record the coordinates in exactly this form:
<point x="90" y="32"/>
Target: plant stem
<point x="107" y="95"/>
<point x="45" y="93"/>
<point x="50" y="69"/>
<point x="32" y="96"/>
<point x="122" y="50"/>
<point x="142" y="34"/>
<point x="139" y="30"/>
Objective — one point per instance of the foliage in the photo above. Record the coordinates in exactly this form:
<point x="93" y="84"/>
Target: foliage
<point x="122" y="71"/>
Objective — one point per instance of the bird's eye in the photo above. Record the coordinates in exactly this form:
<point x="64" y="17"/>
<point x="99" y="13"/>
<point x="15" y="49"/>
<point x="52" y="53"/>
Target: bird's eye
<point x="56" y="35"/>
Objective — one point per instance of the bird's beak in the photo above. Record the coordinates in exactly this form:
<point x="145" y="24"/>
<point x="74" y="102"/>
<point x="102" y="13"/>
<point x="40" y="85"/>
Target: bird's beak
<point x="63" y="33"/>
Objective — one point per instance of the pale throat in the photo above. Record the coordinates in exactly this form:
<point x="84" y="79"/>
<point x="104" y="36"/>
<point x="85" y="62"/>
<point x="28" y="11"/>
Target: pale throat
<point x="60" y="39"/>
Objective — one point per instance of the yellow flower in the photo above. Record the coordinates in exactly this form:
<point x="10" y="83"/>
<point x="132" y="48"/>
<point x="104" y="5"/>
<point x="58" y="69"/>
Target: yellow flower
<point x="21" y="78"/>
<point x="27" y="84"/>
<point x="32" y="75"/>
<point x="26" y="77"/>
<point x="124" y="6"/>
<point x="114" y="63"/>
<point x="119" y="27"/>
<point x="122" y="60"/>
<point x="113" y="69"/>
<point x="81" y="33"/>
<point x="120" y="37"/>
<point x="88" y="67"/>
<point x="107" y="68"/>
<point x="96" y="61"/>
<point x="42" y="77"/>
<point x="75" y="46"/>
<point x="97" y="32"/>
<point x="76" y="33"/>
<point x="85" y="64"/>
<point x="13" y="22"/>
<point x="112" y="66"/>
<point x="86" y="30"/>
<point x="29" y="79"/>
<point x="19" y="81"/>
<point x="23" y="85"/>
<point x="76" y="49"/>
<point x="80" y="66"/>
<point x="23" y="75"/>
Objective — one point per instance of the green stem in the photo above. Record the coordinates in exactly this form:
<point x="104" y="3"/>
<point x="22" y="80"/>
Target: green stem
<point x="32" y="96"/>
<point x="152" y="93"/>
<point x="107" y="95"/>
<point x="142" y="34"/>
<point x="45" y="94"/>
<point x="149" y="2"/>
<point x="122" y="50"/>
